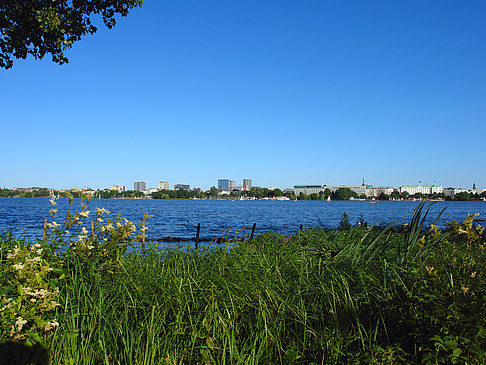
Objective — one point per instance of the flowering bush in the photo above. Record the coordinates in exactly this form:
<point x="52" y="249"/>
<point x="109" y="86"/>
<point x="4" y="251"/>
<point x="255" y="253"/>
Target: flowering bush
<point x="29" y="293"/>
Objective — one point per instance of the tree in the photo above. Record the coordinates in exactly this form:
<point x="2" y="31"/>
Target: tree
<point x="40" y="27"/>
<point x="344" y="194"/>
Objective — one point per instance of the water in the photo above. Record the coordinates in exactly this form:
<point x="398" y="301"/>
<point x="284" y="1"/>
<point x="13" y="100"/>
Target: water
<point x="179" y="218"/>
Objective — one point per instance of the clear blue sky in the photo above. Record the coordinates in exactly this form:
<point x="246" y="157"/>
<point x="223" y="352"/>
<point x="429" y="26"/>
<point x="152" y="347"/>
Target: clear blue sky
<point x="281" y="92"/>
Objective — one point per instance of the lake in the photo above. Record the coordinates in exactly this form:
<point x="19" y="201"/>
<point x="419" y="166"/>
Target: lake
<point x="179" y="218"/>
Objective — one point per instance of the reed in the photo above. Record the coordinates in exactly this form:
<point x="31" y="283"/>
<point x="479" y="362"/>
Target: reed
<point x="371" y="295"/>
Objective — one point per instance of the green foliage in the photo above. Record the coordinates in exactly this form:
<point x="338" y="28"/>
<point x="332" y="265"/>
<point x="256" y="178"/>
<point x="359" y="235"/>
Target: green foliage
<point x="394" y="294"/>
<point x="39" y="27"/>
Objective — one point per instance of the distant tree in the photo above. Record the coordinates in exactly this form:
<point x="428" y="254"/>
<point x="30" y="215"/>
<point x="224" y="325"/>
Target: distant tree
<point x="277" y="192"/>
<point x="462" y="196"/>
<point x="405" y="195"/>
<point x="383" y="196"/>
<point x="40" y="27"/>
<point x="314" y="196"/>
<point x="418" y="196"/>
<point x="213" y="192"/>
<point x="327" y="192"/>
<point x="344" y="194"/>
<point x="395" y="195"/>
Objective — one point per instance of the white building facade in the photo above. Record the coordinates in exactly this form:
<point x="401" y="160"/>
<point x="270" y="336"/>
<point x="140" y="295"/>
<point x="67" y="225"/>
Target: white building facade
<point x="423" y="189"/>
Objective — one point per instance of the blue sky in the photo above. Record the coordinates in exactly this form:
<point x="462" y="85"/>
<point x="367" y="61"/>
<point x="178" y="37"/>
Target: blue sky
<point x="281" y="92"/>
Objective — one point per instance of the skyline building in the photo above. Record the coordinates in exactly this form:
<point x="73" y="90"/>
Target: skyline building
<point x="139" y="186"/>
<point x="118" y="188"/>
<point x="182" y="186"/>
<point x="163" y="185"/>
<point x="224" y="184"/>
<point x="247" y="184"/>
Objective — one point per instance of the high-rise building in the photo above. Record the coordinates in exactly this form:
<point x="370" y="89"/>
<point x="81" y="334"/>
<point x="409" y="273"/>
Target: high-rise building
<point x="163" y="185"/>
<point x="182" y="186"/>
<point x="224" y="185"/>
<point x="232" y="185"/>
<point x="246" y="184"/>
<point x="139" y="186"/>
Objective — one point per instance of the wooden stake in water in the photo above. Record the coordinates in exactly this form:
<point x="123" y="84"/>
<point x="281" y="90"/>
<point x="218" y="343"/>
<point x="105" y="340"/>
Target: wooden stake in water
<point x="92" y="229"/>
<point x="45" y="229"/>
<point x="252" y="231"/>
<point x="143" y="240"/>
<point x="197" y="234"/>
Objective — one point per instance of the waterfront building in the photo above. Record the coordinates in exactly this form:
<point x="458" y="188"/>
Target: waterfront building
<point x="224" y="185"/>
<point x="359" y="189"/>
<point x="423" y="189"/>
<point x="118" y="188"/>
<point x="139" y="186"/>
<point x="307" y="189"/>
<point x="182" y="186"/>
<point x="163" y="185"/>
<point x="232" y="185"/>
<point x="247" y="184"/>
<point x="376" y="191"/>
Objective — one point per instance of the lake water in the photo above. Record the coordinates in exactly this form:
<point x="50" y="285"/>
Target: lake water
<point x="179" y="218"/>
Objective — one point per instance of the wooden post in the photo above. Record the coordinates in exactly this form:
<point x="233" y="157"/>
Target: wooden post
<point x="45" y="229"/>
<point x="143" y="240"/>
<point x="301" y="227"/>
<point x="92" y="229"/>
<point x="197" y="234"/>
<point x="253" y="231"/>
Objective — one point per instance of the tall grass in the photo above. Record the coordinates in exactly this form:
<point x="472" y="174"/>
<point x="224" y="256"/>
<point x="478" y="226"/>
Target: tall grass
<point x="379" y="295"/>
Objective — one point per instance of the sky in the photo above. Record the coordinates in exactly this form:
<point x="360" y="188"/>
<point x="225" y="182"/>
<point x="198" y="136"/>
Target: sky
<point x="280" y="92"/>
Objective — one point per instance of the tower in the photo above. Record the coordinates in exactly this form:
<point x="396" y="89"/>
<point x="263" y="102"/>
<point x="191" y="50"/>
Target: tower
<point x="474" y="186"/>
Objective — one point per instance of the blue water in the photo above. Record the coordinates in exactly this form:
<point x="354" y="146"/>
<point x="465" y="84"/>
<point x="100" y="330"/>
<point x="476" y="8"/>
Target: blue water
<point x="179" y="218"/>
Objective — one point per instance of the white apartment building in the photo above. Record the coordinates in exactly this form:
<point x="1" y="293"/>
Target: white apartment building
<point x="375" y="192"/>
<point x="423" y="189"/>
<point x="163" y="185"/>
<point x="118" y="188"/>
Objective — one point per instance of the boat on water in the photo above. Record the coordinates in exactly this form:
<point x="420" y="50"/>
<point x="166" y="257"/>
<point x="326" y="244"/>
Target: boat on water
<point x="329" y="199"/>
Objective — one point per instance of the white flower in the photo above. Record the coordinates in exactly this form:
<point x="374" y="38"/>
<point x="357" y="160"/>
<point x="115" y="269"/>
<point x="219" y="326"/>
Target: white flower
<point x="52" y="202"/>
<point x="81" y="237"/>
<point x="20" y="323"/>
<point x="84" y="231"/>
<point x="53" y="225"/>
<point x="51" y="325"/>
<point x="84" y="214"/>
<point x="36" y="245"/>
<point x="39" y="251"/>
<point x="99" y="219"/>
<point x="18" y="267"/>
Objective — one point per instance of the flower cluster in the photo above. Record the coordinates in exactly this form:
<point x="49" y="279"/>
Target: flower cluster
<point x="28" y="303"/>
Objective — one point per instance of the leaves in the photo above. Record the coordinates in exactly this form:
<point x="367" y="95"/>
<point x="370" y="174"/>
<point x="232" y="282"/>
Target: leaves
<point x="40" y="27"/>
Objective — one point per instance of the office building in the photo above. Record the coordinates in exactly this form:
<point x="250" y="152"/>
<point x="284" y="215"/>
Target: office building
<point x="247" y="184"/>
<point x="307" y="189"/>
<point x="139" y="186"/>
<point x="163" y="185"/>
<point x="224" y="185"/>
<point x="182" y="186"/>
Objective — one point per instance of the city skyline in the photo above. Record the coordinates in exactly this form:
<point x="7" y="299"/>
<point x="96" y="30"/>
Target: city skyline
<point x="286" y="92"/>
<point x="143" y="183"/>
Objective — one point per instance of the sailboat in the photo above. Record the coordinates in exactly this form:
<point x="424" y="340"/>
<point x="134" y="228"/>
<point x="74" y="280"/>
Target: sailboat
<point x="329" y="199"/>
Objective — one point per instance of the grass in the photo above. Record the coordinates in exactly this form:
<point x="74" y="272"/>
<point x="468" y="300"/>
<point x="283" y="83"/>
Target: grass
<point x="364" y="295"/>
